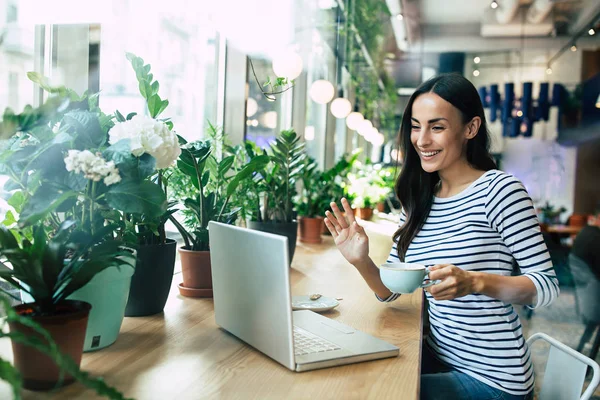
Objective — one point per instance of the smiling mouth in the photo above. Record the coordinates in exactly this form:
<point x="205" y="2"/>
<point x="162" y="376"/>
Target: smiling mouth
<point x="430" y="153"/>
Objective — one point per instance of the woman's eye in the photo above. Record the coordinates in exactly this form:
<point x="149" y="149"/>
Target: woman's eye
<point x="438" y="128"/>
<point x="415" y="127"/>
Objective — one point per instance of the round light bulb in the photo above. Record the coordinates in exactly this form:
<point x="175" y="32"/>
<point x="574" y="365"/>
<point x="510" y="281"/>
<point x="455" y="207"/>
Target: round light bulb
<point x="353" y="120"/>
<point x="476" y="72"/>
<point x="519" y="113"/>
<point x="477" y="60"/>
<point x="321" y="91"/>
<point x="340" y="107"/>
<point x="287" y="64"/>
<point x="378" y="140"/>
<point x="371" y="134"/>
<point x="591" y="32"/>
<point x="364" y="127"/>
<point x="573" y="48"/>
<point x="251" y="107"/>
<point x="494" y="5"/>
<point x="399" y="17"/>
<point x="549" y="71"/>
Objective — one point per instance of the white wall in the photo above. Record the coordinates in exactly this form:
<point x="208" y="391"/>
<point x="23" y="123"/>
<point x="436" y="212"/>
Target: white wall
<point x="546" y="168"/>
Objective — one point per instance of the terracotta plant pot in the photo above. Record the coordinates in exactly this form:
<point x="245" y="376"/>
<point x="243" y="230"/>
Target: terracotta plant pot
<point x="67" y="328"/>
<point x="310" y="229"/>
<point x="381" y="207"/>
<point x="197" y="276"/>
<point x="364" y="213"/>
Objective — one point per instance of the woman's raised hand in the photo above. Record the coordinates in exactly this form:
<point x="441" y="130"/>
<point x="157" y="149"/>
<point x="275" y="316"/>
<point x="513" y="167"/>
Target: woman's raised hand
<point x="350" y="238"/>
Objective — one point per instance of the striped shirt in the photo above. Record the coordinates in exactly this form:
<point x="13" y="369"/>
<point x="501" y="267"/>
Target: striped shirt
<point x="484" y="228"/>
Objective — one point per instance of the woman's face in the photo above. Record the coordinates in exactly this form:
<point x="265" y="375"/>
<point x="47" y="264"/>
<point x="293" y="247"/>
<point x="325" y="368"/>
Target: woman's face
<point x="438" y="133"/>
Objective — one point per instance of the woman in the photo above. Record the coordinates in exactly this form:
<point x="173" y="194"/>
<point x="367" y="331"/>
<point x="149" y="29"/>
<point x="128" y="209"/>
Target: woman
<point x="470" y="221"/>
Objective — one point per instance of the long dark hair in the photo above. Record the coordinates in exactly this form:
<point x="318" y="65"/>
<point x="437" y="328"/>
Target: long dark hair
<point x="415" y="187"/>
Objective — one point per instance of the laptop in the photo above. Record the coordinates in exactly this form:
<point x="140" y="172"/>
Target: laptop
<point x="252" y="300"/>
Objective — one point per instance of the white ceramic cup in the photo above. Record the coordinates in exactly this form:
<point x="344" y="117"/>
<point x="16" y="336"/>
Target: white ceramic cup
<point x="405" y="278"/>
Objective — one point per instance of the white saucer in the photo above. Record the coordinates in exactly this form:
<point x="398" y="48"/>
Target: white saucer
<point x="321" y="304"/>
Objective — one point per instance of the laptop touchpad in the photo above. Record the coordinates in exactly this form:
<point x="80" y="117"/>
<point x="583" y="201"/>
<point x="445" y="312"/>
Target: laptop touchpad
<point x="338" y="327"/>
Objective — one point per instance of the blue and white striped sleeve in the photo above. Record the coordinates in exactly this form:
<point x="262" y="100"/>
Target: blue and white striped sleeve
<point x="393" y="257"/>
<point x="509" y="211"/>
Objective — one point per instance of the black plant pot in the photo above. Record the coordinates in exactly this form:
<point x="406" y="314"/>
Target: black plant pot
<point x="287" y="229"/>
<point x="152" y="279"/>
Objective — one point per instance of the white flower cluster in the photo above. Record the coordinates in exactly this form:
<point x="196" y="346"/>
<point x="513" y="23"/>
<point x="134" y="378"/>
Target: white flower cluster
<point x="92" y="166"/>
<point x="150" y="136"/>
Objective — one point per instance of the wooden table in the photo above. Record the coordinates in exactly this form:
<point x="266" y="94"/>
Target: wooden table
<point x="182" y="354"/>
<point x="564" y="229"/>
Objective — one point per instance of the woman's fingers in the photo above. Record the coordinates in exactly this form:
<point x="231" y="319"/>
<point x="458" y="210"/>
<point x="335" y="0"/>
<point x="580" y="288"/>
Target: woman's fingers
<point x="331" y="228"/>
<point x="338" y="214"/>
<point x="333" y="220"/>
<point x="349" y="211"/>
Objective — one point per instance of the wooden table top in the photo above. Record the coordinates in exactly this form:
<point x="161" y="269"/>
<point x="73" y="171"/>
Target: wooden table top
<point x="564" y="229"/>
<point x="182" y="354"/>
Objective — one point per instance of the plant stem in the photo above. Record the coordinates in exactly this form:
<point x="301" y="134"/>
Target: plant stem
<point x="92" y="201"/>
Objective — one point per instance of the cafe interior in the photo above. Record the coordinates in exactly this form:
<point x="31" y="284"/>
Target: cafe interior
<point x="257" y="115"/>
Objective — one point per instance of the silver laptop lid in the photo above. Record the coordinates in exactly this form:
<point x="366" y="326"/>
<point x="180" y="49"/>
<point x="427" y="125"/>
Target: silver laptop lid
<point x="251" y="288"/>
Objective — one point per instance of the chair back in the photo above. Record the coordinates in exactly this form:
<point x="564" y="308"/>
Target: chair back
<point x="587" y="289"/>
<point x="565" y="372"/>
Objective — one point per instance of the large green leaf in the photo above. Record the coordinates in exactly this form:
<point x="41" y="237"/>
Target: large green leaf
<point x="256" y="164"/>
<point x="137" y="198"/>
<point x="87" y="129"/>
<point x="45" y="200"/>
<point x="130" y="167"/>
<point x="10" y="374"/>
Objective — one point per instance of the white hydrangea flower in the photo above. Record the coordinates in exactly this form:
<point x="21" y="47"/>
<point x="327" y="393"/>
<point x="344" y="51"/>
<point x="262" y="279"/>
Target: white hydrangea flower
<point x="92" y="166"/>
<point x="147" y="135"/>
<point x="56" y="128"/>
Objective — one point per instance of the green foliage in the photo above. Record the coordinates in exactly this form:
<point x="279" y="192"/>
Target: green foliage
<point x="320" y="189"/>
<point x="278" y="183"/>
<point x="44" y="343"/>
<point x="148" y="87"/>
<point x="31" y="117"/>
<point x="52" y="269"/>
<point x="213" y="176"/>
<point x="368" y="184"/>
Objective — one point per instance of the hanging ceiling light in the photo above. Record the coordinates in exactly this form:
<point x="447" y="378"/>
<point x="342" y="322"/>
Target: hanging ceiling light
<point x="287" y="64"/>
<point x="321" y="91"/>
<point x="378" y="140"/>
<point x="399" y="17"/>
<point x="494" y="4"/>
<point x="354" y="119"/>
<point x="476" y="72"/>
<point x="549" y="70"/>
<point x="340" y="107"/>
<point x="364" y="127"/>
<point x="477" y="60"/>
<point x="591" y="32"/>
<point x="574" y="48"/>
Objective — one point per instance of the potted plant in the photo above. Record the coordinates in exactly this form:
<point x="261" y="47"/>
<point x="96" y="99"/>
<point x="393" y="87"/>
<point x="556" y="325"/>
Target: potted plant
<point x="310" y="204"/>
<point x="50" y="270"/>
<point x="365" y="189"/>
<point x="334" y="181"/>
<point x="151" y="282"/>
<point x="275" y="185"/>
<point x="67" y="166"/>
<point x="212" y="176"/>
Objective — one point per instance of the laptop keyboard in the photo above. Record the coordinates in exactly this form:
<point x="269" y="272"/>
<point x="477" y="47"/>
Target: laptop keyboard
<point x="307" y="343"/>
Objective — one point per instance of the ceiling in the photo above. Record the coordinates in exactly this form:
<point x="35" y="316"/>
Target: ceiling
<point x="472" y="25"/>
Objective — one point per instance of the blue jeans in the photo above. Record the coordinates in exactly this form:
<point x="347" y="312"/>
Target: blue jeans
<point x="440" y="382"/>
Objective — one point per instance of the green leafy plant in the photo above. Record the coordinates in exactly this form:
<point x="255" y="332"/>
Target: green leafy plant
<point x="216" y="182"/>
<point x="320" y="189"/>
<point x="276" y="184"/>
<point x="52" y="269"/>
<point x="550" y="214"/>
<point x="44" y="343"/>
<point x="366" y="185"/>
